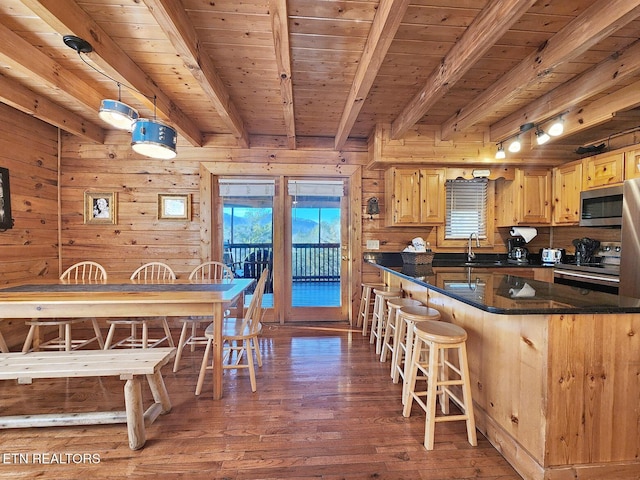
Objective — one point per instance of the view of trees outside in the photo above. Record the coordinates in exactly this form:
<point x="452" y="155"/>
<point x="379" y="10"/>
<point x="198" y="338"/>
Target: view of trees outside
<point x="315" y="232"/>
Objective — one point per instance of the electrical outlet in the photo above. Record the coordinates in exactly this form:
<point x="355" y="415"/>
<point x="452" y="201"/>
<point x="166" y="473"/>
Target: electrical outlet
<point x="373" y="244"/>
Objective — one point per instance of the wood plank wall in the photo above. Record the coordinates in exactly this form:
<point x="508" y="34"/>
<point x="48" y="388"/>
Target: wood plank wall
<point x="28" y="148"/>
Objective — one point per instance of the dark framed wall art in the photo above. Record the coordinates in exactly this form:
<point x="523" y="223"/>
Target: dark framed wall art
<point x="6" y="222"/>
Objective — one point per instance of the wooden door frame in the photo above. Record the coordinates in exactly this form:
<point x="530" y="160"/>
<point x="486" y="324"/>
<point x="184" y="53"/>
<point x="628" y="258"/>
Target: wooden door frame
<point x="210" y="202"/>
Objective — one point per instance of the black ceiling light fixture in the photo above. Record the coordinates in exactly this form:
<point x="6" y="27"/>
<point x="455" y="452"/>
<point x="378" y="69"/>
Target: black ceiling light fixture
<point x="149" y="137"/>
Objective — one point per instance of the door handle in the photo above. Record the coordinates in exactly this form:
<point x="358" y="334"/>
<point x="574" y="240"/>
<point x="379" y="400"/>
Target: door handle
<point x="345" y="258"/>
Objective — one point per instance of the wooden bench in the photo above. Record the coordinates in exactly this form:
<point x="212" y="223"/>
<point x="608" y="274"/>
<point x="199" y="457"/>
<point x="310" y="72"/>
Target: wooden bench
<point x="128" y="364"/>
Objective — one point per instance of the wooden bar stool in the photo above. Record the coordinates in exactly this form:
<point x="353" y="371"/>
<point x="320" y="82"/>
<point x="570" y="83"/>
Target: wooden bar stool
<point x="408" y="316"/>
<point x="366" y="302"/>
<point x="390" y="340"/>
<point x="380" y="313"/>
<point x="438" y="338"/>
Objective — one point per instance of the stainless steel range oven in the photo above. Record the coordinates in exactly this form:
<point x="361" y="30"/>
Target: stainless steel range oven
<point x="602" y="275"/>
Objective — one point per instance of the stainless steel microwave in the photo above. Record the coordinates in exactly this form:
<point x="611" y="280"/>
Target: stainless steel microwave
<point x="601" y="207"/>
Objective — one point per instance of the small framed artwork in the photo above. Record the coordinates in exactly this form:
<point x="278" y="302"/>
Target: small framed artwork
<point x="6" y="222"/>
<point x="174" y="206"/>
<point x="100" y="207"/>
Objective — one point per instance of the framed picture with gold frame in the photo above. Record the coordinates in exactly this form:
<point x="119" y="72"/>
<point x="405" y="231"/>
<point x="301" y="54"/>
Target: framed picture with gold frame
<point x="174" y="206"/>
<point x="100" y="207"/>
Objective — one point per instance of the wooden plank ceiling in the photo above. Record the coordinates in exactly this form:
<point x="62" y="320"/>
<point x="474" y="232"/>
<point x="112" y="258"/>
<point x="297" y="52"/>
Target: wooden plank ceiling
<point x="299" y="70"/>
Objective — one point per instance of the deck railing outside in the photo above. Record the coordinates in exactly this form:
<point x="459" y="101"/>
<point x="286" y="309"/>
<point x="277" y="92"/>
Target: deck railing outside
<point x="312" y="262"/>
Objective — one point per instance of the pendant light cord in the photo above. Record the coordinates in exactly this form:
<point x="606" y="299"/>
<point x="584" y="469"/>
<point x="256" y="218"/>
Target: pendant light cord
<point x="120" y="84"/>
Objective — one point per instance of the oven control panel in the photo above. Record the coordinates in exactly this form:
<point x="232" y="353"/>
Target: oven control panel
<point x="609" y="253"/>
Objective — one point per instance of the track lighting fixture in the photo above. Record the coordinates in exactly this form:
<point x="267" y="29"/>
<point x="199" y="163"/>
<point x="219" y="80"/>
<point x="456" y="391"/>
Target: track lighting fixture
<point x="149" y="137"/>
<point x="557" y="127"/>
<point x="542" y="137"/>
<point x="515" y="145"/>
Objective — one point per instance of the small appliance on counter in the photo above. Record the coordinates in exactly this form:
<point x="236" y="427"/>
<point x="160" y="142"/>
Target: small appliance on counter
<point x="585" y="250"/>
<point x="551" y="256"/>
<point x="516" y="251"/>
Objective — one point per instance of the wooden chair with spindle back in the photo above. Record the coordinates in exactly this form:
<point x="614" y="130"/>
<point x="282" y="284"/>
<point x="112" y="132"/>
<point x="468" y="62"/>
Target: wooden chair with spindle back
<point x="79" y="273"/>
<point x="152" y="272"/>
<point x="239" y="338"/>
<point x="205" y="271"/>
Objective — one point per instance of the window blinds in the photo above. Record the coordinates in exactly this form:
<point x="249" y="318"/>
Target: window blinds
<point x="231" y="187"/>
<point x="466" y="208"/>
<point x="316" y="188"/>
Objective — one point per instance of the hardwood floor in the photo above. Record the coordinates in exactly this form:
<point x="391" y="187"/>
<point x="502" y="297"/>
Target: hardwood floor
<point x="325" y="409"/>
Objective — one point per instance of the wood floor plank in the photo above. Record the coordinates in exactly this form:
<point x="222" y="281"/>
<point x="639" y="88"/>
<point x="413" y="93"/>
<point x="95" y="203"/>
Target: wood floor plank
<point x="325" y="409"/>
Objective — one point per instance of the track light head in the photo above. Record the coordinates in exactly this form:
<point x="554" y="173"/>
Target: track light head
<point x="515" y="145"/>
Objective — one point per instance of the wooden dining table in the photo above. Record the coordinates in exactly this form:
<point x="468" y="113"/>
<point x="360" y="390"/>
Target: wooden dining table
<point x="127" y="298"/>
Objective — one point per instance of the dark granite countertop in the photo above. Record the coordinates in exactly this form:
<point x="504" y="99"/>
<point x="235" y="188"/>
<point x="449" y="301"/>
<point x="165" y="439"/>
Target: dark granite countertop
<point x="503" y="293"/>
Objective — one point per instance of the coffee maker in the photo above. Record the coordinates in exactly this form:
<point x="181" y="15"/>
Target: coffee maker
<point x="516" y="251"/>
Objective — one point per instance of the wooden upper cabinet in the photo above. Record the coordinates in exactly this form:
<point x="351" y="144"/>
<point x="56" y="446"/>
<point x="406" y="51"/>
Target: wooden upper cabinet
<point x="567" y="184"/>
<point x="602" y="170"/>
<point x="526" y="200"/>
<point x="414" y="196"/>
<point x="632" y="164"/>
<point x="535" y="196"/>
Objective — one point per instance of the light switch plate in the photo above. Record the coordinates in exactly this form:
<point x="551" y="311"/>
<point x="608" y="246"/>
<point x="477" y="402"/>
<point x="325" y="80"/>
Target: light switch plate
<point x="373" y="244"/>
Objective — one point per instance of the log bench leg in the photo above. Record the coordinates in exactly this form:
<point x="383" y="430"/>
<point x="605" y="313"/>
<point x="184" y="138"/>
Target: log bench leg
<point x="3" y="345"/>
<point x="135" y="414"/>
<point x="159" y="391"/>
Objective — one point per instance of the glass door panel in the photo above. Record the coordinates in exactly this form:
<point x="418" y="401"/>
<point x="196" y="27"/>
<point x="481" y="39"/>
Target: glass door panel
<point x="247" y="208"/>
<point x="315" y="241"/>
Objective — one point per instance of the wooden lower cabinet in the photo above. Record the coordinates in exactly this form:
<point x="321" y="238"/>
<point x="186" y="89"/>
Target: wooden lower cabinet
<point x="556" y="394"/>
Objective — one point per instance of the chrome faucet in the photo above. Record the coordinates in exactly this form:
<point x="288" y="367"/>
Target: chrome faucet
<point x="470" y="255"/>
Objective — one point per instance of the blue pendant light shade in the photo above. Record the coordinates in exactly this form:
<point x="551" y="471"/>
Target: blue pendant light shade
<point x="118" y="114"/>
<point x="154" y="139"/>
<point x="148" y="137"/>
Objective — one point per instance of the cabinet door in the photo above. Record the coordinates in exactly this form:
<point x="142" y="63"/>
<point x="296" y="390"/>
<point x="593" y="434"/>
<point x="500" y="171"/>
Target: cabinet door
<point x="432" y="195"/>
<point x="535" y="198"/>
<point x="603" y="170"/>
<point x="414" y="196"/>
<point x="404" y="195"/>
<point x="524" y="200"/>
<point x="632" y="164"/>
<point x="567" y="183"/>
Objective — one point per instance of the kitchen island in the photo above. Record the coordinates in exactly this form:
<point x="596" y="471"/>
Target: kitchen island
<point x="555" y="370"/>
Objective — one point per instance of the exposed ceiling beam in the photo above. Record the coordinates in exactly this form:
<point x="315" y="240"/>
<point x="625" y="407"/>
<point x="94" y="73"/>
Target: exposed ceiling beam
<point x="595" y="23"/>
<point x="280" y="27"/>
<point x="615" y="68"/>
<point x="67" y="17"/>
<point x="383" y="28"/>
<point x="175" y="23"/>
<point x="22" y="57"/>
<point x="40" y="107"/>
<point x="488" y="27"/>
<point x="600" y="111"/>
